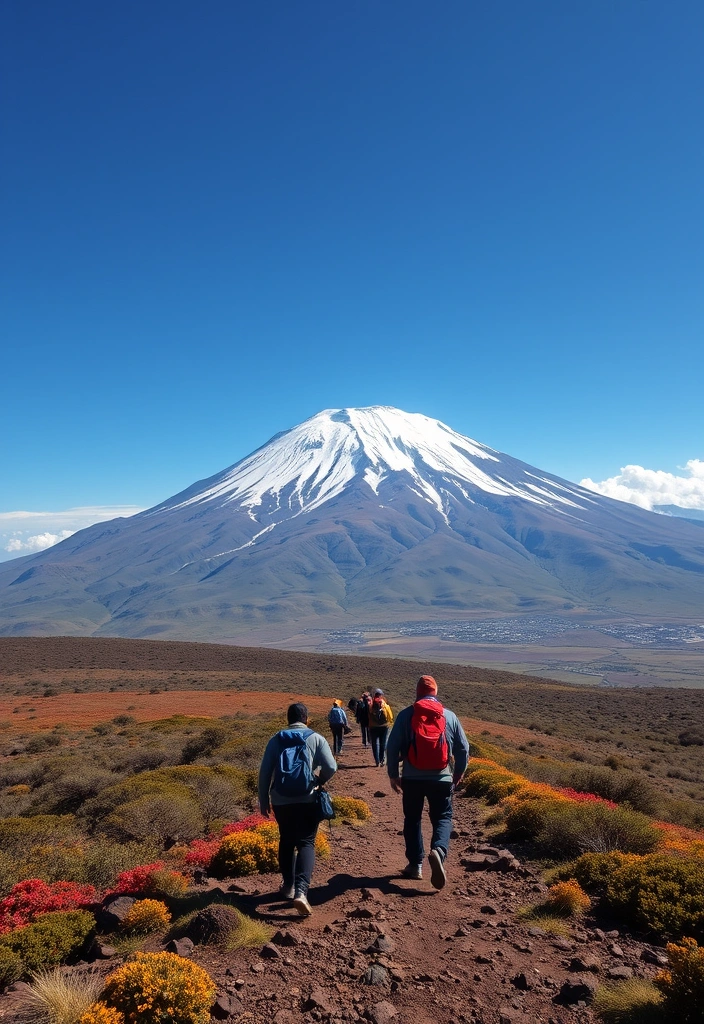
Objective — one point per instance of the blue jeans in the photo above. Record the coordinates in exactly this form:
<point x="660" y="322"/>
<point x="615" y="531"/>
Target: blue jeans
<point x="378" y="737"/>
<point x="439" y="796"/>
<point x="337" y="734"/>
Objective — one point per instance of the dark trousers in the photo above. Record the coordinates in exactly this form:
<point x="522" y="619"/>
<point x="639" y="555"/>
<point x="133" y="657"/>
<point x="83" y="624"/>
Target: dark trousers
<point x="439" y="797"/>
<point x="379" y="735"/>
<point x="337" y="734"/>
<point x="298" y="827"/>
<point x="365" y="734"/>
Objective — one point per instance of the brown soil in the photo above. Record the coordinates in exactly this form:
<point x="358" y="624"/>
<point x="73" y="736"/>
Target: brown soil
<point x="454" y="952"/>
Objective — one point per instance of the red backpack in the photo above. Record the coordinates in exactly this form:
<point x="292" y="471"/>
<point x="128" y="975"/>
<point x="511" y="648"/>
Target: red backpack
<point x="428" y="750"/>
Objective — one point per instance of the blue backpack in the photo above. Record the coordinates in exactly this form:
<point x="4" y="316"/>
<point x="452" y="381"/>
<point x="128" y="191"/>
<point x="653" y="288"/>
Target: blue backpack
<point x="293" y="775"/>
<point x="336" y="716"/>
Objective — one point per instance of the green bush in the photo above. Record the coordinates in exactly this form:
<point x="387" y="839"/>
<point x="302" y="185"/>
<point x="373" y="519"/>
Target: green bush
<point x="563" y="829"/>
<point x="660" y="894"/>
<point x="619" y="785"/>
<point x="17" y="835"/>
<point x="51" y="940"/>
<point x="594" y="871"/>
<point x="11" y="967"/>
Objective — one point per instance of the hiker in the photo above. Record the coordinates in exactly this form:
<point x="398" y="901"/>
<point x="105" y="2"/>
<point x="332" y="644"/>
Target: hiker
<point x="433" y="747"/>
<point x="380" y="718"/>
<point x="337" y="720"/>
<point x="287" y="786"/>
<point x="362" y="717"/>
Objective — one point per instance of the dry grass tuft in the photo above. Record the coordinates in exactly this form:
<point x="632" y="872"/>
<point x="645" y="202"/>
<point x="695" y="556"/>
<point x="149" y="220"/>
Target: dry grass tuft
<point x="247" y="934"/>
<point x="60" y="998"/>
<point x="635" y="1001"/>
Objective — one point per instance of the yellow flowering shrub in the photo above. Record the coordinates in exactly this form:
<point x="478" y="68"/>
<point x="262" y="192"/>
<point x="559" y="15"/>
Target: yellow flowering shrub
<point x="146" y="916"/>
<point x="349" y="807"/>
<point x="255" y="851"/>
<point x="156" y="988"/>
<point x="682" y="983"/>
<point x="99" y="1013"/>
<point x="566" y="899"/>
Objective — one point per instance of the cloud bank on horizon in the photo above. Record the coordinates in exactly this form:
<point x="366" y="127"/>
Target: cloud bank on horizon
<point x="651" y="488"/>
<point x="24" y="533"/>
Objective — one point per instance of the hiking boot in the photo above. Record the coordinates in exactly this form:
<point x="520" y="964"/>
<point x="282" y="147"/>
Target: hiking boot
<point x="302" y="905"/>
<point x="414" y="871"/>
<point x="287" y="892"/>
<point x="437" y="869"/>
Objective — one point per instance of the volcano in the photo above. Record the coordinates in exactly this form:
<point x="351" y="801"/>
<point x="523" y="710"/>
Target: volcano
<point x="359" y="516"/>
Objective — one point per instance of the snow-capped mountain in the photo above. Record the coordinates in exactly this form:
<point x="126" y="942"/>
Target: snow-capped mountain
<point x="358" y="515"/>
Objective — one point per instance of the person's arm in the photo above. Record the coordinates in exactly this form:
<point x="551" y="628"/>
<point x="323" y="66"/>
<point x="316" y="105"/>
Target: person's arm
<point x="323" y="759"/>
<point x="460" y="752"/>
<point x="393" y="754"/>
<point x="389" y="713"/>
<point x="266" y="774"/>
<point x="345" y="722"/>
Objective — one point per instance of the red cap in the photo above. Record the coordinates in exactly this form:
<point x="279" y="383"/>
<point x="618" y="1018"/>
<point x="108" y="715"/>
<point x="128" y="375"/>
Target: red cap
<point x="427" y="687"/>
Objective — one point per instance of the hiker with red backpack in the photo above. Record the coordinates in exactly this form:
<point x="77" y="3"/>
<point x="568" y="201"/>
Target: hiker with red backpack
<point x="431" y="743"/>
<point x="297" y="763"/>
<point x="380" y="718"/>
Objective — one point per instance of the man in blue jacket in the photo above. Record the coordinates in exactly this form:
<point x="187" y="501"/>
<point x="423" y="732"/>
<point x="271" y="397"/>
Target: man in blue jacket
<point x="431" y="743"/>
<point x="287" y="785"/>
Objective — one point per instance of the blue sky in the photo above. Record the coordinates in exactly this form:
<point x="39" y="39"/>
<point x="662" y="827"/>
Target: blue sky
<point x="221" y="218"/>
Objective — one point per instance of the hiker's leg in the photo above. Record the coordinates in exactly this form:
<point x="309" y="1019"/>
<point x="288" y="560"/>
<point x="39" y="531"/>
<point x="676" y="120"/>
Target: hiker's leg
<point x="440" y="812"/>
<point x="286" y="820"/>
<point x="374" y="733"/>
<point x="383" y="736"/>
<point x="413" y="799"/>
<point x="306" y="831"/>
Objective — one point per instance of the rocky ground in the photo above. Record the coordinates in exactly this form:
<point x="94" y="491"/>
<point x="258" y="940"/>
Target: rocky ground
<point x="379" y="948"/>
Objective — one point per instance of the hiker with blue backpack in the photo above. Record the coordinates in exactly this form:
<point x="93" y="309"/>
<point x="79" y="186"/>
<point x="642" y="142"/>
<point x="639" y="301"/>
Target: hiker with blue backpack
<point x="290" y="787"/>
<point x="337" y="719"/>
<point x="431" y="743"/>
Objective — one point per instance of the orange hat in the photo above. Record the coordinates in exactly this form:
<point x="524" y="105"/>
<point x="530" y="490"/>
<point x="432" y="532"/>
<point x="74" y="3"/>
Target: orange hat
<point x="427" y="687"/>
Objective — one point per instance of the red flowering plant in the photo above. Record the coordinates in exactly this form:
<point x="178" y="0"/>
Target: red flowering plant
<point x="31" y="898"/>
<point x="586" y="798"/>
<point x="202" y="851"/>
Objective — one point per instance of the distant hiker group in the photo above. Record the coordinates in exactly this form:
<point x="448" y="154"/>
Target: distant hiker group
<point x="426" y="755"/>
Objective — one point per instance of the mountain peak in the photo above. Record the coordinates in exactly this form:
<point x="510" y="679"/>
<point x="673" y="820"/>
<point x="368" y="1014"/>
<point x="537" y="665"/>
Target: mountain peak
<point x="302" y="468"/>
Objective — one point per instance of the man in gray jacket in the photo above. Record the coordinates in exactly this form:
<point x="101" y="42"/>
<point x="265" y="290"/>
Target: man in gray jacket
<point x="287" y="785"/>
<point x="431" y="743"/>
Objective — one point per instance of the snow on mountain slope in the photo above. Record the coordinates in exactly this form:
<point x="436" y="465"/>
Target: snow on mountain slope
<point x="302" y="468"/>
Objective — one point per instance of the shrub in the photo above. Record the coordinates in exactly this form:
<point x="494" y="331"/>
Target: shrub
<point x="51" y="940"/>
<point x="635" y="1001"/>
<point x="248" y="933"/>
<point x="213" y="925"/>
<point x="562" y="828"/>
<point x="29" y="899"/>
<point x="566" y="899"/>
<point x="146" y="916"/>
<point x="682" y="984"/>
<point x="169" y="883"/>
<point x="493" y="782"/>
<point x="18" y="835"/>
<point x="63" y="998"/>
<point x="158" y="987"/>
<point x="137" y="879"/>
<point x="99" y="1013"/>
<point x="252" y="852"/>
<point x="593" y="871"/>
<point x="348" y="807"/>
<point x="660" y="894"/>
<point x="164" y="818"/>
<point x="11" y="967"/>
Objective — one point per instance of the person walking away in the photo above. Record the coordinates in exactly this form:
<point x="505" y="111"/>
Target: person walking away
<point x="337" y="720"/>
<point x="380" y="718"/>
<point x="296" y="762"/>
<point x="431" y="743"/>
<point x="362" y="717"/>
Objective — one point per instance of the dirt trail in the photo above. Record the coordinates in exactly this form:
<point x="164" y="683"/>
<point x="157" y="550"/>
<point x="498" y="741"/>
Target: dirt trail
<point x="453" y="954"/>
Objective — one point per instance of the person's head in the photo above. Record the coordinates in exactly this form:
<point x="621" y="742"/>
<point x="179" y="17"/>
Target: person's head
<point x="337" y="703"/>
<point x="378" y="693"/>
<point x="297" y="713"/>
<point x="427" y="687"/>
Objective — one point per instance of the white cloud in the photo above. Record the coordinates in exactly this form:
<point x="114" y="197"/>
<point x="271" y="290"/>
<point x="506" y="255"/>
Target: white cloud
<point x="651" y="487"/>
<point x="38" y="542"/>
<point x="23" y="533"/>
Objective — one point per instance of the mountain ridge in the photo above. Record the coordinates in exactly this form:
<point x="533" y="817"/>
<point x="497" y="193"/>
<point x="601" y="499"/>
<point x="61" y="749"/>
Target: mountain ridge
<point x="358" y="515"/>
